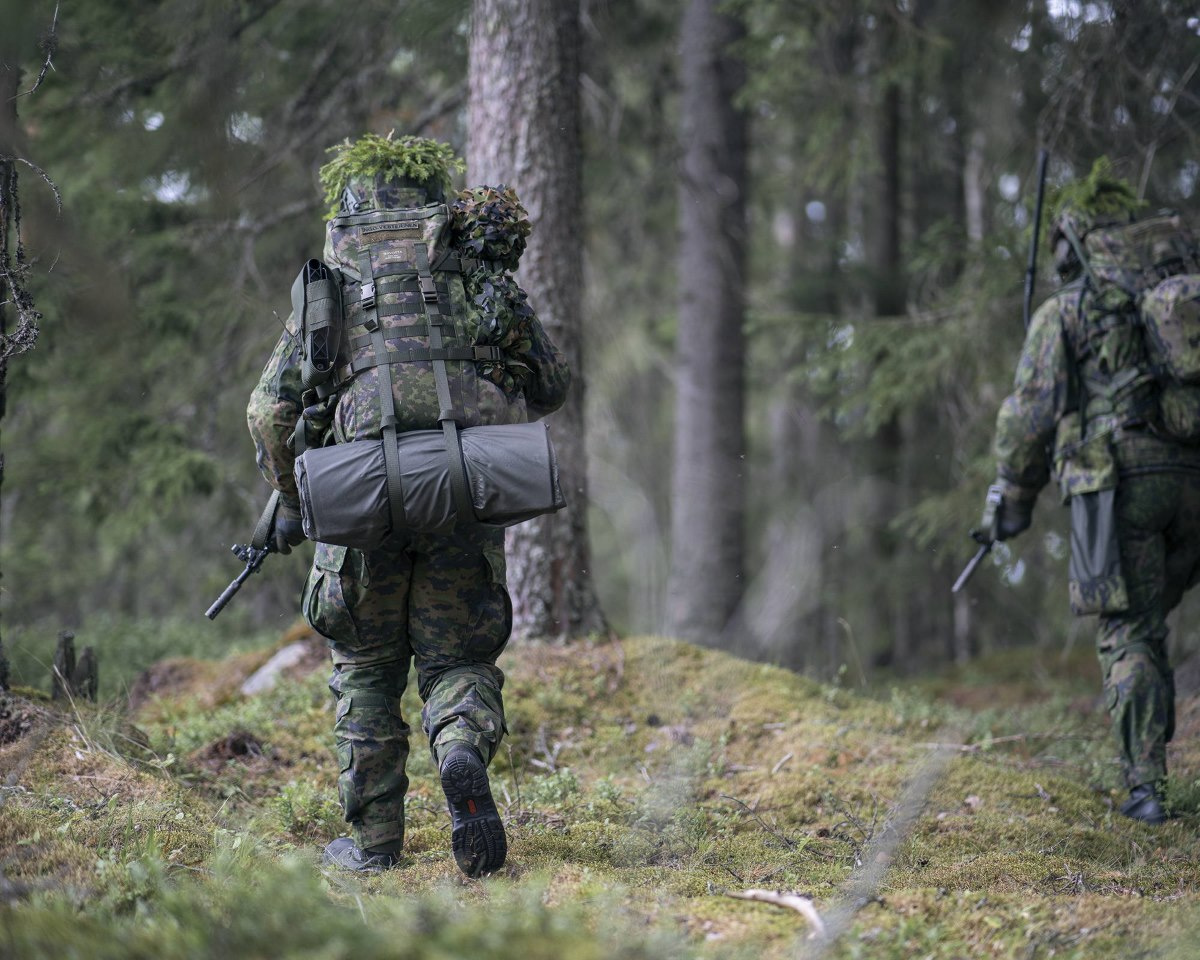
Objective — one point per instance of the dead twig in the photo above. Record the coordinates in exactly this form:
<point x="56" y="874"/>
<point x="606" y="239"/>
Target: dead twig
<point x="788" y="841"/>
<point x="49" y="43"/>
<point x="790" y="901"/>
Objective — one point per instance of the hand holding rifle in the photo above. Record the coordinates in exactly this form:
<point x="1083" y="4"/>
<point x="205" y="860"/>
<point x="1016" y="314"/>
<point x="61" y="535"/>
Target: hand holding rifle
<point x="277" y="531"/>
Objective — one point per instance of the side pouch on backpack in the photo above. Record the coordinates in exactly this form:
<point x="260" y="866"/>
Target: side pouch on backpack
<point x="1096" y="585"/>
<point x="317" y="307"/>
<point x="1082" y="466"/>
<point x="1170" y="314"/>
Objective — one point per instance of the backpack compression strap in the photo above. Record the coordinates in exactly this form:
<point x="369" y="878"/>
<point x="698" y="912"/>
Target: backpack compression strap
<point x="387" y="405"/>
<point x="448" y="417"/>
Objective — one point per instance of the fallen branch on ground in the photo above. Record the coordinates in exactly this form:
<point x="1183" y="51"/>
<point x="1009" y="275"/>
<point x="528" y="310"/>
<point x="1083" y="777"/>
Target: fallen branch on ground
<point x="791" y="901"/>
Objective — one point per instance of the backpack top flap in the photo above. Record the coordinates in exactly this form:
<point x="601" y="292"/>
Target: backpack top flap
<point x="390" y="235"/>
<point x="1136" y="256"/>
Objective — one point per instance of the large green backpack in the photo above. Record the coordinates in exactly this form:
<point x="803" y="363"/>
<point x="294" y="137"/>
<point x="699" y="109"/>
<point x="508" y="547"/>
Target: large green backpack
<point x="1141" y="321"/>
<point x="394" y="346"/>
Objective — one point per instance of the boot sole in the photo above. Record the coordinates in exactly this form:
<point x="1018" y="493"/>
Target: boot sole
<point x="477" y="837"/>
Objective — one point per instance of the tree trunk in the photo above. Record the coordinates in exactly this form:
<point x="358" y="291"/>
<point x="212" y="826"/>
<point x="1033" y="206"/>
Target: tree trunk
<point x="889" y="462"/>
<point x="524" y="130"/>
<point x="708" y="508"/>
<point x="10" y="77"/>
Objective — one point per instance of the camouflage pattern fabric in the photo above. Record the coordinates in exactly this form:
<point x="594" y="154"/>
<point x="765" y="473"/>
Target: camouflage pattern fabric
<point x="489" y="223"/>
<point x="440" y="602"/>
<point x="1158" y="527"/>
<point x="274" y="411"/>
<point x="383" y="193"/>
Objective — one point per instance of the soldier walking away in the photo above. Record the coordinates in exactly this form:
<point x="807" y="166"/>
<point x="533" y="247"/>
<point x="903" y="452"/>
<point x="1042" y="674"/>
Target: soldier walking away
<point x="416" y="323"/>
<point x="1106" y="397"/>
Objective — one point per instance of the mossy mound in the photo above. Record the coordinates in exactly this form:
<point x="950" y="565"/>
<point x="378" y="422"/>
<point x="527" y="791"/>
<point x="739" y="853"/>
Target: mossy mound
<point x="643" y="781"/>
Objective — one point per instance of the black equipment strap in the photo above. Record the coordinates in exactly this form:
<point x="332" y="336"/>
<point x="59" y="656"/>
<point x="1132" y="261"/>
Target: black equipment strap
<point x="449" y="417"/>
<point x="387" y="405"/>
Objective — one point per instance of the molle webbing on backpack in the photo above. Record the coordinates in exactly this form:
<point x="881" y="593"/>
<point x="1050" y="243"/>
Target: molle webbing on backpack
<point x="449" y="417"/>
<point x="416" y="354"/>
<point x="387" y="406"/>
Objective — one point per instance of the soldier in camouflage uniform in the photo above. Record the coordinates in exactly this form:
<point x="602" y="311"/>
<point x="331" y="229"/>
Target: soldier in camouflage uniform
<point x="437" y="600"/>
<point x="1070" y="414"/>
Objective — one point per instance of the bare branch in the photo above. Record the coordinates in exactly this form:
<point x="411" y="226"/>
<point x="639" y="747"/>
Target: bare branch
<point x="41" y="173"/>
<point x="791" y="901"/>
<point x="49" y="45"/>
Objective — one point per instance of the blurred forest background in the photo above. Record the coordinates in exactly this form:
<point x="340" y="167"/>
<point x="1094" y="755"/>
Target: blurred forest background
<point x="881" y="152"/>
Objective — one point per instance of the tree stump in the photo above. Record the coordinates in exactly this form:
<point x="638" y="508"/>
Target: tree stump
<point x="73" y="679"/>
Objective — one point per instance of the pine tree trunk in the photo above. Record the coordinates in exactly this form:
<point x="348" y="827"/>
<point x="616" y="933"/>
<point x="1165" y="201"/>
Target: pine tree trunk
<point x="708" y="490"/>
<point x="9" y="80"/>
<point x="524" y="130"/>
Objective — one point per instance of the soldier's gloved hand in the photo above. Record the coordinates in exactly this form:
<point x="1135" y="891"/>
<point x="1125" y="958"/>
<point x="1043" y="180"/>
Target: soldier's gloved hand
<point x="1006" y="512"/>
<point x="287" y="530"/>
<point x="1013" y="517"/>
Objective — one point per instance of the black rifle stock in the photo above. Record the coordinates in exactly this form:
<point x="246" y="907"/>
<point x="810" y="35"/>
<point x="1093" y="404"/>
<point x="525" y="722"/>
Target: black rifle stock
<point x="252" y="554"/>
<point x="985" y="547"/>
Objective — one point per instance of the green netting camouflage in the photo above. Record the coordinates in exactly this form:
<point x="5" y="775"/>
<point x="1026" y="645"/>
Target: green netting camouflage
<point x="498" y="314"/>
<point x="489" y="223"/>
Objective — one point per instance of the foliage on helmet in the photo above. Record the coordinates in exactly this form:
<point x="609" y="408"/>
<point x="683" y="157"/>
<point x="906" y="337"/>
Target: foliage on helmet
<point x="1100" y="197"/>
<point x="372" y="157"/>
<point x="490" y="223"/>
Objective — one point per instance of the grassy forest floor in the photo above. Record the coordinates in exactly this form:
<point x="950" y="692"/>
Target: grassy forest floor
<point x="644" y="784"/>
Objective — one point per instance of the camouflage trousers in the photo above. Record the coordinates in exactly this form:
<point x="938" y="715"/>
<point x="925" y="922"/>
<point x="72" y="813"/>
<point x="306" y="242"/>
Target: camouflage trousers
<point x="1158" y="531"/>
<point x="439" y="602"/>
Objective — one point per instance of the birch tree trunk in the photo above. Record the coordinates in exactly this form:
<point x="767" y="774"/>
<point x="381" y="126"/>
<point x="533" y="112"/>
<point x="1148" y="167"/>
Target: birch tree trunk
<point x="708" y="486"/>
<point x="524" y="130"/>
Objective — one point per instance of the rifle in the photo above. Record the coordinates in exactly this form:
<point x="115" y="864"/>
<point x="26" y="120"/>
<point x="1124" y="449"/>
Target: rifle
<point x="252" y="554"/>
<point x="987" y="538"/>
<point x="985" y="547"/>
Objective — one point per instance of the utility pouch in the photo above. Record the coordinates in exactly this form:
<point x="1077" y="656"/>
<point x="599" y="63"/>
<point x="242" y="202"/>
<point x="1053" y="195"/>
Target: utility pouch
<point x="1082" y="465"/>
<point x="511" y="472"/>
<point x="317" y="307"/>
<point x="1096" y="585"/>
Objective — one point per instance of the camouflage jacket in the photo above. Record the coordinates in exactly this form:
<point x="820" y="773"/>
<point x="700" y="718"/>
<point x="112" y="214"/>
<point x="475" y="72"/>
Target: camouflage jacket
<point x="276" y="401"/>
<point x="1041" y="427"/>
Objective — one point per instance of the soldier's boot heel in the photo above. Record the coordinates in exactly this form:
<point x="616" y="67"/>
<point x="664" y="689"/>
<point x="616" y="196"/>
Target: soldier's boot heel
<point x="1145" y="803"/>
<point x="477" y="833"/>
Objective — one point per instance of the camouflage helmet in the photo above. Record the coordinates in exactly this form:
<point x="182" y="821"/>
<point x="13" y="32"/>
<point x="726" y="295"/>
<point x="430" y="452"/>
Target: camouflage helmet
<point x="379" y="173"/>
<point x="1100" y="199"/>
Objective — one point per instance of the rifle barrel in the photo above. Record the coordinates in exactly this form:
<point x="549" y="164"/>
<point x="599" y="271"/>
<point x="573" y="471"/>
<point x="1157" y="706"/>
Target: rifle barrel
<point x="969" y="569"/>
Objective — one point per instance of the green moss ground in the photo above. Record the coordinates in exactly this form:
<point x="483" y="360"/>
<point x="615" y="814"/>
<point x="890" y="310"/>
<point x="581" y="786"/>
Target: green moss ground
<point x="642" y="782"/>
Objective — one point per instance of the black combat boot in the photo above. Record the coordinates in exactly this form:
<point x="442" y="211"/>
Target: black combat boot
<point x="1145" y="804"/>
<point x="477" y="835"/>
<point x="344" y="853"/>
